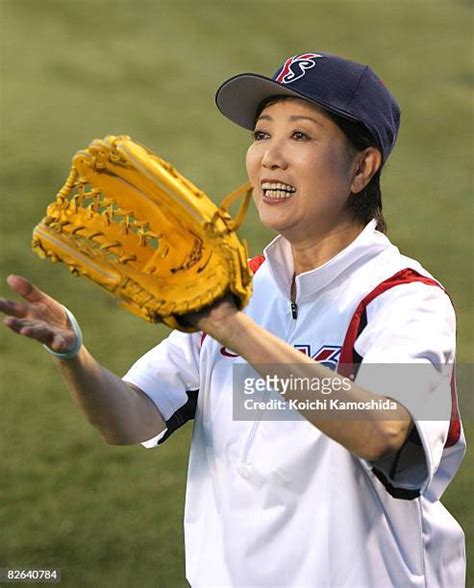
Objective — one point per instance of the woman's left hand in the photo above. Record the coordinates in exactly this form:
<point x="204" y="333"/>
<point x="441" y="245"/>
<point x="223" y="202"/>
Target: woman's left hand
<point x="215" y="320"/>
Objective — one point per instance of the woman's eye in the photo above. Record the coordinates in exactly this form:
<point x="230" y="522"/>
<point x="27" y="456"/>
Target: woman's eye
<point x="259" y="135"/>
<point x="300" y="136"/>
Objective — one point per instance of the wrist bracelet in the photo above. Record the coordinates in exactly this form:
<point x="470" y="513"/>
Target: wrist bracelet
<point x="77" y="331"/>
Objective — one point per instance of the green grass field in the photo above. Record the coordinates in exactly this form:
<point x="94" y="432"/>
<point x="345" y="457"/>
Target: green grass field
<point x="75" y="70"/>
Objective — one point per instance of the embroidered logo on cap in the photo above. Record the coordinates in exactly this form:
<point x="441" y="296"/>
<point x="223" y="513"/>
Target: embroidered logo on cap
<point x="295" y="67"/>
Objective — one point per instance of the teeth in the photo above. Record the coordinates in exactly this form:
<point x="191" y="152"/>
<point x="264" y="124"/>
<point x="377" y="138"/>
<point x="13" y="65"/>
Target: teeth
<point x="277" y="194"/>
<point x="277" y="190"/>
<point x="278" y="186"/>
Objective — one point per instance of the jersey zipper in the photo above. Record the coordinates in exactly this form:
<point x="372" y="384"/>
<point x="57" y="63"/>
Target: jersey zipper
<point x="258" y="419"/>
<point x="293" y="305"/>
<point x="294" y="310"/>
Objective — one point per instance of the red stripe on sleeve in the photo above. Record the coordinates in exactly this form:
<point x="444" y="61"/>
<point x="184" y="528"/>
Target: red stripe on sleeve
<point x="405" y="276"/>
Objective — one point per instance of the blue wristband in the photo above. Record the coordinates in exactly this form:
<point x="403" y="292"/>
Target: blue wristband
<point x="77" y="331"/>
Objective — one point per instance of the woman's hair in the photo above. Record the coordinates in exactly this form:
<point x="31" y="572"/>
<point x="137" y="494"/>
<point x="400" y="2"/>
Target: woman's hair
<point x="366" y="204"/>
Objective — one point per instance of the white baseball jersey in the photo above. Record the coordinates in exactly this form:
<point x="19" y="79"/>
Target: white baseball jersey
<point x="278" y="503"/>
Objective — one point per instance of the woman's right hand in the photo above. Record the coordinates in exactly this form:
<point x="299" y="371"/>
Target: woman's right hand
<point x="38" y="316"/>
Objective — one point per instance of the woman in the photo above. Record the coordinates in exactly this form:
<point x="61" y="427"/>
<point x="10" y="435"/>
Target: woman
<point x="314" y="499"/>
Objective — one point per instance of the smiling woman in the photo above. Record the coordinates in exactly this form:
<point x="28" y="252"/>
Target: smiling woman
<point x="297" y="145"/>
<point x="367" y="203"/>
<point x="309" y="496"/>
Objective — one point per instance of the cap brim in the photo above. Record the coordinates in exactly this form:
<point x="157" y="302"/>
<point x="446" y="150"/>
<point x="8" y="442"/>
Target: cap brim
<point x="239" y="97"/>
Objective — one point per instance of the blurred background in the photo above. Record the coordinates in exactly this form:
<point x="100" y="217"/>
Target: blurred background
<point x="75" y="70"/>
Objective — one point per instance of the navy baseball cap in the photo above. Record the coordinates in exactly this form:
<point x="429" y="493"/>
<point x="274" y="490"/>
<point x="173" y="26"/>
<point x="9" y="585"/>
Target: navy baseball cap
<point x="343" y="87"/>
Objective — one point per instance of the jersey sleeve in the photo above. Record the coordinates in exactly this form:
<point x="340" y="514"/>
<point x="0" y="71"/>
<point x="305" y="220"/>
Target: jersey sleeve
<point x="169" y="375"/>
<point x="408" y="350"/>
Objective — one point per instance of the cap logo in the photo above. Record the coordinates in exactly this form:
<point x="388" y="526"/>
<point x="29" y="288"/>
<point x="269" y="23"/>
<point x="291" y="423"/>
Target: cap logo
<point x="296" y="67"/>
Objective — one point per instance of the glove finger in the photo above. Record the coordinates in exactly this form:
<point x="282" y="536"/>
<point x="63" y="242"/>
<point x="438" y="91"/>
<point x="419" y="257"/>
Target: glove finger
<point x="10" y="307"/>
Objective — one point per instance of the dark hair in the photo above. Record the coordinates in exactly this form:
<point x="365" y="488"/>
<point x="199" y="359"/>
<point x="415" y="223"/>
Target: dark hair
<point x="366" y="204"/>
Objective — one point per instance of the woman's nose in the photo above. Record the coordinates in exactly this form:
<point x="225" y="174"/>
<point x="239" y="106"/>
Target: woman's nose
<point x="274" y="157"/>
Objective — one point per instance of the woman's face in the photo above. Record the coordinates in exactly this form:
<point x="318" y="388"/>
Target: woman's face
<point x="301" y="169"/>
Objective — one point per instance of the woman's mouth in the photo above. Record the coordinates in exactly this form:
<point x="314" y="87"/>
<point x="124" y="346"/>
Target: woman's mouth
<point x="277" y="190"/>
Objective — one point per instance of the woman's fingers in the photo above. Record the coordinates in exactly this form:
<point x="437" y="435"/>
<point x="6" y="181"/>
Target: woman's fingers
<point x="28" y="328"/>
<point x="25" y="288"/>
<point x="10" y="307"/>
<point x="37" y="306"/>
<point x="58" y="340"/>
<point x="61" y="345"/>
<point x="40" y="318"/>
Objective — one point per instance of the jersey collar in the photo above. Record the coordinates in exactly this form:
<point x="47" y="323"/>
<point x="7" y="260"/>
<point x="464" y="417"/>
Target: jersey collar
<point x="367" y="244"/>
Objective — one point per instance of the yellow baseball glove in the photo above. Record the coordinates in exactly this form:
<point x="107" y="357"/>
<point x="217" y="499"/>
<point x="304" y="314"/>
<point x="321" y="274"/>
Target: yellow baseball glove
<point x="130" y="222"/>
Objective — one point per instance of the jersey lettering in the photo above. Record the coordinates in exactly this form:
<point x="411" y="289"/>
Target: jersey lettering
<point x="327" y="355"/>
